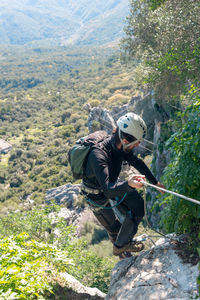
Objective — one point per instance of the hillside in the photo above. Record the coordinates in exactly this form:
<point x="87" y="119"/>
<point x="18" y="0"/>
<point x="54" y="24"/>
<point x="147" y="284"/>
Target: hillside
<point x="42" y="94"/>
<point x="62" y="22"/>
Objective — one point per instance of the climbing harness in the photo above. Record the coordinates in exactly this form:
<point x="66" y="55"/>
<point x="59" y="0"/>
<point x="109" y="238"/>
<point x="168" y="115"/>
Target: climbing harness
<point x="89" y="190"/>
<point x="103" y="207"/>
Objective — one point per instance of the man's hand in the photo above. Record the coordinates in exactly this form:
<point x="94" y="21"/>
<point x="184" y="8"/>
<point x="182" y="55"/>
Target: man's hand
<point x="162" y="186"/>
<point x="135" y="181"/>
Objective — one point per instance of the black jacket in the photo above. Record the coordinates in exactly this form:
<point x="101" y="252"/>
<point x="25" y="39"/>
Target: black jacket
<point x="104" y="165"/>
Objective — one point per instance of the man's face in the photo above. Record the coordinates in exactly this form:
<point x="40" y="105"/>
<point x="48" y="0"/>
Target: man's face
<point x="131" y="147"/>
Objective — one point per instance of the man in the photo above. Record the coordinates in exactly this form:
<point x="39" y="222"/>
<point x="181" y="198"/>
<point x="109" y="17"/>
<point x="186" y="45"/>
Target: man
<point x="100" y="183"/>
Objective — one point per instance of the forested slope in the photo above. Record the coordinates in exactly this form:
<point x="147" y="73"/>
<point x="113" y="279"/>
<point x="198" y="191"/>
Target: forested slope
<point x="41" y="122"/>
<point x="41" y="114"/>
<point x="42" y="97"/>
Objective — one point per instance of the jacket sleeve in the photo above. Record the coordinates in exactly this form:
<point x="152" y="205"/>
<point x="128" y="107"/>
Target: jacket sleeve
<point x="140" y="166"/>
<point x="99" y="164"/>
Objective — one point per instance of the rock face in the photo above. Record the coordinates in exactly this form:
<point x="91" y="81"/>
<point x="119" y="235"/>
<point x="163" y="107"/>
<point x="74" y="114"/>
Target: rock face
<point x="65" y="194"/>
<point x="5" y="147"/>
<point x="156" y="274"/>
<point x="158" y="132"/>
<point x="77" y="291"/>
<point x="101" y="119"/>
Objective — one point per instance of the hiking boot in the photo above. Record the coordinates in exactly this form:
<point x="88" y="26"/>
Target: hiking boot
<point x="124" y="255"/>
<point x="129" y="247"/>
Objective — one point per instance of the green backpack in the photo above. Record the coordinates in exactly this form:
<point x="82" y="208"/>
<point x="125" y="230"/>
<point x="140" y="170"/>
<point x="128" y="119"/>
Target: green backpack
<point x="77" y="155"/>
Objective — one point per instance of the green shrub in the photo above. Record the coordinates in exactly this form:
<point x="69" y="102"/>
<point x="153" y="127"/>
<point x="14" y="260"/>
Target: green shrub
<point x="25" y="267"/>
<point x="3" y="175"/>
<point x="74" y="118"/>
<point x="66" y="131"/>
<point x="182" y="175"/>
<point x="16" y="181"/>
<point x="94" y="102"/>
<point x="104" y="249"/>
<point x="87" y="267"/>
<point x="49" y="172"/>
<point x="5" y="195"/>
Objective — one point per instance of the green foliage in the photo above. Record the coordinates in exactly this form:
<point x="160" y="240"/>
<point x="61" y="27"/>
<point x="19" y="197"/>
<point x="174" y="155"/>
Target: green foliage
<point x="93" y="233"/>
<point x="27" y="267"/>
<point x="89" y="268"/>
<point x="37" y="223"/>
<point x="25" y="84"/>
<point x="154" y="4"/>
<point x="43" y="122"/>
<point x="24" y="267"/>
<point x="198" y="279"/>
<point x="16" y="181"/>
<point x="52" y="250"/>
<point x="182" y="174"/>
<point x="3" y="174"/>
<point x="163" y="36"/>
<point x="94" y="102"/>
<point x="165" y="41"/>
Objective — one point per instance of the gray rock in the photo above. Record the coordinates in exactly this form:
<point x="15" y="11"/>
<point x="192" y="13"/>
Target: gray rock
<point x="65" y="194"/>
<point x="100" y="119"/>
<point x="154" y="275"/>
<point x="118" y="111"/>
<point x="5" y="147"/>
<point x="65" y="213"/>
<point x="80" y="291"/>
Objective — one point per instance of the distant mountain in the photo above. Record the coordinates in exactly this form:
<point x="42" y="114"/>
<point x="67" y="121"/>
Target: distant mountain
<point x="62" y="21"/>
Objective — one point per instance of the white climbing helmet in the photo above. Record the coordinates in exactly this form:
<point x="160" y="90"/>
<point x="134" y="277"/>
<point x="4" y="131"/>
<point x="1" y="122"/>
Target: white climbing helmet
<point x="132" y="124"/>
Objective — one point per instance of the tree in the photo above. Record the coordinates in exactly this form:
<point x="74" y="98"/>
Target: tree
<point x="166" y="42"/>
<point x="16" y="181"/>
<point x="182" y="175"/>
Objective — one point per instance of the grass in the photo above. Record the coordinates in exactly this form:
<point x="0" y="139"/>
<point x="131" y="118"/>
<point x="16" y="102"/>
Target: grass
<point x="16" y="139"/>
<point x="4" y="159"/>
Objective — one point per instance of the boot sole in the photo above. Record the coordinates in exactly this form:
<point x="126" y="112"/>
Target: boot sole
<point x="118" y="251"/>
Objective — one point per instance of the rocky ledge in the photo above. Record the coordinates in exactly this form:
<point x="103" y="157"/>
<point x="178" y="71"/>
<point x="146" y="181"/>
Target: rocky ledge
<point x="159" y="273"/>
<point x="74" y="290"/>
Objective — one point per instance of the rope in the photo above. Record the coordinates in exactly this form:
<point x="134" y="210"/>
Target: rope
<point x="149" y="142"/>
<point x="125" y="110"/>
<point x="110" y="126"/>
<point x="173" y="193"/>
<point x="145" y="148"/>
<point x="103" y="207"/>
<point x="147" y="221"/>
<point x="145" y="208"/>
